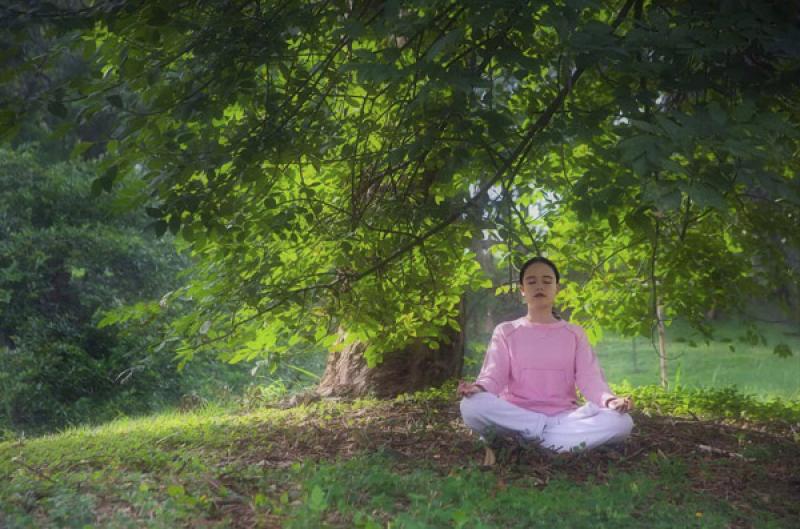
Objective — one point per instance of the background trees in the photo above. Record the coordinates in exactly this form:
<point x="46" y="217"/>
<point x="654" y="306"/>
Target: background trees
<point x="63" y="260"/>
<point x="330" y="163"/>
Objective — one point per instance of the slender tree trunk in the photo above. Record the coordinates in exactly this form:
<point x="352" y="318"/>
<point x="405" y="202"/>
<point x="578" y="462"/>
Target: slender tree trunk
<point x="635" y="357"/>
<point x="658" y="311"/>
<point x="414" y="368"/>
<point x="662" y="346"/>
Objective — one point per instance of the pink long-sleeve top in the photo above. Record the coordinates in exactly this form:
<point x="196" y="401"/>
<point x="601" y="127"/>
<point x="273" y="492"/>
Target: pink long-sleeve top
<point x="538" y="365"/>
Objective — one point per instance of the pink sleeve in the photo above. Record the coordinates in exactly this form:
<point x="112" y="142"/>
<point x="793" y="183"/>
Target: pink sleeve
<point x="494" y="373"/>
<point x="588" y="374"/>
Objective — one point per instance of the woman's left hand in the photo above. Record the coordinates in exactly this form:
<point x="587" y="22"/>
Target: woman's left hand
<point x="620" y="404"/>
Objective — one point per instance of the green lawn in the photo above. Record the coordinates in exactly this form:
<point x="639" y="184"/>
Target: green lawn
<point x="703" y="456"/>
<point x="728" y="360"/>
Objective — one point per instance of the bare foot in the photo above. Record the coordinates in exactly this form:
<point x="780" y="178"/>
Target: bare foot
<point x="489" y="458"/>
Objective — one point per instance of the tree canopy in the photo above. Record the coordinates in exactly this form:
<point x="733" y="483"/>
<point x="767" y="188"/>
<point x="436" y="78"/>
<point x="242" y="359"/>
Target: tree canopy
<point x="329" y="164"/>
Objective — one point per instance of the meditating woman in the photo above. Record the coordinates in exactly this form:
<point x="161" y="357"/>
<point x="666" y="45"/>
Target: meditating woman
<point x="526" y="386"/>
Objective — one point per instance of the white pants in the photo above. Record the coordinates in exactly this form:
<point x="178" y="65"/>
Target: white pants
<point x="587" y="427"/>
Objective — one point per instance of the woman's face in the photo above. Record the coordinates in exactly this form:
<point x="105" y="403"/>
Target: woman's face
<point x="539" y="287"/>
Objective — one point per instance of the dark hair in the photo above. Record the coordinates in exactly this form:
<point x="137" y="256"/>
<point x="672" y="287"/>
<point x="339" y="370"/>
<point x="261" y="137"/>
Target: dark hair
<point x="538" y="259"/>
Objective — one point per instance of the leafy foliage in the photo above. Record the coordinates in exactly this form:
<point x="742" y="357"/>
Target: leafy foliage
<point x="328" y="163"/>
<point x="63" y="259"/>
<point x="713" y="403"/>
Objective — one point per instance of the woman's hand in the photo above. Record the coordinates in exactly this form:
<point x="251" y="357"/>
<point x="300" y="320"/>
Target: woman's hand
<point x="467" y="389"/>
<point x="620" y="404"/>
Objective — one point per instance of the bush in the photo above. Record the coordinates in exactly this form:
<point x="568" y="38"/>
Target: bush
<point x="713" y="403"/>
<point x="65" y="256"/>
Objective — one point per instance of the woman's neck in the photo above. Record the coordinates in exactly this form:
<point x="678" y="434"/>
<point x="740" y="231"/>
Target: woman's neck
<point x="541" y="315"/>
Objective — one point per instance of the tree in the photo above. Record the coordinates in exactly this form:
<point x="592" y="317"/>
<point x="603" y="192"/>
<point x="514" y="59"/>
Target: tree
<point x="64" y="259"/>
<point x="329" y="162"/>
<point x="686" y="198"/>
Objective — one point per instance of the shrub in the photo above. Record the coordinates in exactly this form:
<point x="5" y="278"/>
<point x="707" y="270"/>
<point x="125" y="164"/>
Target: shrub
<point x="64" y="256"/>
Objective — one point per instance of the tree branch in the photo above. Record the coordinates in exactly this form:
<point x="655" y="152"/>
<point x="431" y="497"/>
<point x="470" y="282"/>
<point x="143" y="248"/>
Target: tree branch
<point x="517" y="156"/>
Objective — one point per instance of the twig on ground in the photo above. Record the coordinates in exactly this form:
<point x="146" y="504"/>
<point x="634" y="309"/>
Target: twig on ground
<point x="712" y="450"/>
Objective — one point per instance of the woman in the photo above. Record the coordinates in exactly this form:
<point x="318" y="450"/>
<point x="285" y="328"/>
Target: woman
<point x="532" y="367"/>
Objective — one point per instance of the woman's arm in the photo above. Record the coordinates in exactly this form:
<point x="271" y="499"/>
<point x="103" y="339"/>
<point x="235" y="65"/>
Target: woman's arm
<point x="589" y="377"/>
<point x="496" y="364"/>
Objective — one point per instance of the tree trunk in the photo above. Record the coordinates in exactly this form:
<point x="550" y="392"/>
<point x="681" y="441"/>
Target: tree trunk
<point x="662" y="346"/>
<point x="414" y="368"/>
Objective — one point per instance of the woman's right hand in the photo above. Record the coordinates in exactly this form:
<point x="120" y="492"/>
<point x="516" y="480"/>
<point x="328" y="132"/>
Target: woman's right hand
<point x="468" y="389"/>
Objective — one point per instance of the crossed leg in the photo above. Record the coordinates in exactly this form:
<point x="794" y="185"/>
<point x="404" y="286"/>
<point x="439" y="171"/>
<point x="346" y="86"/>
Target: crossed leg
<point x="586" y="427"/>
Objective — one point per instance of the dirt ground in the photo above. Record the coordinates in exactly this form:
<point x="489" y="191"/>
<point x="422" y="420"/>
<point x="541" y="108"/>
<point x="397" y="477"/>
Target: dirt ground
<point x="753" y="467"/>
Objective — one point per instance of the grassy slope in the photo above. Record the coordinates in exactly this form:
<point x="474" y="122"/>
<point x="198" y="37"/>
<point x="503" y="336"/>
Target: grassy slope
<point x="404" y="463"/>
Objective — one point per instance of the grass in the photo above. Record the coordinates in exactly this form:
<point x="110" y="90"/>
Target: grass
<point x="732" y="359"/>
<point x="406" y="463"/>
<point x="717" y="451"/>
<point x="478" y="499"/>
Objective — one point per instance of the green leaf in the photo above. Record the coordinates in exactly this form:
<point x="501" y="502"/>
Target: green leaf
<point x="160" y="227"/>
<point x="744" y="111"/>
<point x="583" y="207"/>
<point x="706" y="196"/>
<point x="613" y="224"/>
<point x="353" y="28"/>
<point x="98" y="184"/>
<point x="718" y="115"/>
<point x="176" y="491"/>
<point x="316" y="500"/>
<point x="638" y="221"/>
<point x="5" y="296"/>
<point x="782" y="350"/>
<point x="57" y="108"/>
<point x="80" y="148"/>
<point x="158" y="17"/>
<point x="645" y="126"/>
<point x="174" y="224"/>
<point x="115" y="100"/>
<point x="77" y="272"/>
<point x="450" y="38"/>
<point x="111" y="174"/>
<point x="7" y="117"/>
